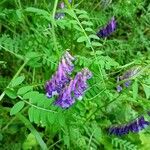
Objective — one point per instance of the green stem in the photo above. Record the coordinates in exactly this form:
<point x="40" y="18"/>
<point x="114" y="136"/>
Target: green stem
<point x="53" y="26"/>
<point x="33" y="131"/>
<point x="16" y="75"/>
<point x="17" y="55"/>
<point x="37" y="107"/>
<point x="88" y="40"/>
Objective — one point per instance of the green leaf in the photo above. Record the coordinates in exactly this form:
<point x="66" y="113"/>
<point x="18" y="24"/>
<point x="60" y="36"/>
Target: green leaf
<point x="38" y="11"/>
<point x="93" y="36"/>
<point x="61" y="119"/>
<point x="145" y="138"/>
<point x="78" y="28"/>
<point x="32" y="55"/>
<point x="85" y="16"/>
<point x="135" y="89"/>
<point x="17" y="81"/>
<point x="89" y="29"/>
<point x="88" y="23"/>
<point x="24" y="90"/>
<point x="70" y="12"/>
<point x="11" y="93"/>
<point x="146" y="90"/>
<point x="31" y="94"/>
<point x="16" y="108"/>
<point x="81" y="39"/>
<point x="66" y="140"/>
<point x="96" y="44"/>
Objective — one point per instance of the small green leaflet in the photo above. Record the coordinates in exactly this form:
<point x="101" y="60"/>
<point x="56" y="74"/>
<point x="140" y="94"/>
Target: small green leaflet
<point x="17" y="81"/>
<point x="146" y="90"/>
<point x="24" y="90"/>
<point x="16" y="108"/>
<point x="81" y="39"/>
<point x="11" y="93"/>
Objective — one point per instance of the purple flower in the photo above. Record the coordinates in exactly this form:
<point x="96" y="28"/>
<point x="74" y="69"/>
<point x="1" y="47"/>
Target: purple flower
<point x="119" y="88"/>
<point x="59" y="16"/>
<point x="136" y="126"/>
<point x="80" y="84"/>
<point x="74" y="90"/>
<point x="128" y="74"/>
<point x="106" y="31"/>
<point x="61" y="5"/>
<point x="60" y="78"/>
<point x="127" y="83"/>
<point x="65" y="98"/>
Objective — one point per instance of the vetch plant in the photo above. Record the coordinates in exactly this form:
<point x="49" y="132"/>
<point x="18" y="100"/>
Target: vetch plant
<point x="109" y="29"/>
<point x="66" y="88"/>
<point x="60" y="78"/>
<point x="135" y="126"/>
<point x="126" y="76"/>
<point x="54" y="117"/>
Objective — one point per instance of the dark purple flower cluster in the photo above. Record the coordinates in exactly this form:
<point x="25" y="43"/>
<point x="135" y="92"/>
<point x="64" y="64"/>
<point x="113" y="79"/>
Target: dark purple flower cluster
<point x="61" y="5"/>
<point x="66" y="88"/>
<point x="106" y="31"/>
<point x="136" y="126"/>
<point x="128" y="74"/>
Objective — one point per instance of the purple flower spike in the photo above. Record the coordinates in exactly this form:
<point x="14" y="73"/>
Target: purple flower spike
<point x="135" y="127"/>
<point x="60" y="78"/>
<point x="142" y="123"/>
<point x="106" y="31"/>
<point x="80" y="85"/>
<point x="65" y="99"/>
<point x="74" y="90"/>
<point x="128" y="74"/>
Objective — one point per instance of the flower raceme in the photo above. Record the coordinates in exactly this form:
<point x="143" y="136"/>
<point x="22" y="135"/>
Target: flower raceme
<point x="60" y="78"/>
<point x="128" y="74"/>
<point x="106" y="31"/>
<point x="75" y="89"/>
<point x="66" y="88"/>
<point x="136" y="126"/>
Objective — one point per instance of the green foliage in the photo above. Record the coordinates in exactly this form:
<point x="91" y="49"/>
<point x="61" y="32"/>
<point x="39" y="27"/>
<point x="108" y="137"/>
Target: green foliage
<point x="31" y="44"/>
<point x="123" y="144"/>
<point x="16" y="108"/>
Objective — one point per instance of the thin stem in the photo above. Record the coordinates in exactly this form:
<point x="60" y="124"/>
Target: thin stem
<point x="89" y="42"/>
<point x="37" y="107"/>
<point x="90" y="140"/>
<point x="33" y="131"/>
<point x="53" y="25"/>
<point x="16" y="75"/>
<point x="17" y="55"/>
<point x="55" y="143"/>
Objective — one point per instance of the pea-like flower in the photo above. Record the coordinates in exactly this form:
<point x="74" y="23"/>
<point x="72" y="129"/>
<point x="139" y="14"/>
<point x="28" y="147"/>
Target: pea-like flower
<point x="60" y="78"/>
<point x="106" y="31"/>
<point x="127" y="75"/>
<point x="75" y="89"/>
<point x="136" y="126"/>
